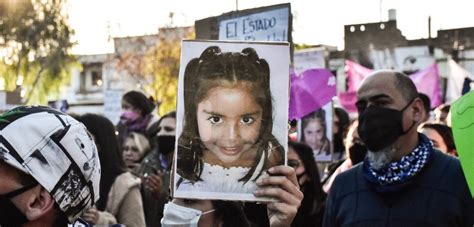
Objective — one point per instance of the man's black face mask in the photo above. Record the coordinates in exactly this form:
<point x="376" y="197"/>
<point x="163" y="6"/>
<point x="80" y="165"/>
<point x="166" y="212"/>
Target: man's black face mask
<point x="379" y="127"/>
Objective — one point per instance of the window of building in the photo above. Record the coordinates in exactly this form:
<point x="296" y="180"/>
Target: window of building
<point x="96" y="78"/>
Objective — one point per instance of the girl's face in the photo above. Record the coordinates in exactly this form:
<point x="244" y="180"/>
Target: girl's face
<point x="131" y="153"/>
<point x="229" y="121"/>
<point x="436" y="138"/>
<point x="294" y="161"/>
<point x="314" y="134"/>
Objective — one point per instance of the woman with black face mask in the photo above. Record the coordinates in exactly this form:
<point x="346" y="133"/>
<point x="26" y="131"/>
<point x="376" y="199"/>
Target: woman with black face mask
<point x="154" y="168"/>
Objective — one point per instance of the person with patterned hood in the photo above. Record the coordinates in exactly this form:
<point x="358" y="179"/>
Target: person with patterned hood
<point x="49" y="168"/>
<point x="403" y="180"/>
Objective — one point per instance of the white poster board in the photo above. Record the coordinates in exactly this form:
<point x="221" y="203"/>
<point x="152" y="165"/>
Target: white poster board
<point x="3" y="100"/>
<point x="312" y="58"/>
<point x="113" y="105"/>
<point x="271" y="25"/>
<point x="222" y="124"/>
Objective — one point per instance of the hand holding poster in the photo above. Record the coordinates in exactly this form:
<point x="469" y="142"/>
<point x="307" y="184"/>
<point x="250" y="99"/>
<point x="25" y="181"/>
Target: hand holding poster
<point x="231" y="118"/>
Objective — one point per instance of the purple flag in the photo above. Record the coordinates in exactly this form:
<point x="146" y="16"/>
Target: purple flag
<point x="310" y="91"/>
<point x="427" y="81"/>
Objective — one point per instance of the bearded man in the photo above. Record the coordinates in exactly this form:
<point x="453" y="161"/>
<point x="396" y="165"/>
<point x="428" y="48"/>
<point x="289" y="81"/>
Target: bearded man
<point x="403" y="181"/>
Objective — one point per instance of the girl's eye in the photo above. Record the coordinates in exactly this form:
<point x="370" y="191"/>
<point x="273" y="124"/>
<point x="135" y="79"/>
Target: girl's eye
<point x="215" y="120"/>
<point x="247" y="120"/>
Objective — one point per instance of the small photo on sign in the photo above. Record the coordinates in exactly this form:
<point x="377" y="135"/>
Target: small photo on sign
<point x="316" y="132"/>
<point x="232" y="118"/>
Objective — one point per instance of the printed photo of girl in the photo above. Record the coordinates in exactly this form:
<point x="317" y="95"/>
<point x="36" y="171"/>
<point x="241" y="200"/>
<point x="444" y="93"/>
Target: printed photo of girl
<point x="226" y="142"/>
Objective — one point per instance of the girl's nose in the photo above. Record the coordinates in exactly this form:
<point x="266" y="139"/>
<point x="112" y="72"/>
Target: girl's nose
<point x="233" y="131"/>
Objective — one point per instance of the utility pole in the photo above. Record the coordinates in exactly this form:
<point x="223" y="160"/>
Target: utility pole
<point x="236" y="5"/>
<point x="380" y="10"/>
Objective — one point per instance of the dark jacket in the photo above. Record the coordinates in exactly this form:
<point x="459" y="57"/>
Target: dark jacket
<point x="437" y="196"/>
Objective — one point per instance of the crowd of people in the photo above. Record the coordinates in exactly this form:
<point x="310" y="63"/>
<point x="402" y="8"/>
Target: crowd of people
<point x="394" y="165"/>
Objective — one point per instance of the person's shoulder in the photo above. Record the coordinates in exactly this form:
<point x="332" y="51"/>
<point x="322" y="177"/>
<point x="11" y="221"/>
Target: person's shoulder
<point x="348" y="181"/>
<point x="127" y="180"/>
<point x="446" y="173"/>
<point x="450" y="164"/>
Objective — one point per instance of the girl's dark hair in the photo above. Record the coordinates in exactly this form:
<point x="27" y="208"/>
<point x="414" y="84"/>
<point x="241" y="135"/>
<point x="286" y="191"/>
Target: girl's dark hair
<point x="231" y="213"/>
<point x="111" y="162"/>
<point x="445" y="132"/>
<point x="314" y="196"/>
<point x="208" y="71"/>
<point x="139" y="101"/>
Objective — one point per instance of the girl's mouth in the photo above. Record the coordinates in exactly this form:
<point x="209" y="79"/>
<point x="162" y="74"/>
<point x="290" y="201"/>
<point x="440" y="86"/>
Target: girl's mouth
<point x="230" y="150"/>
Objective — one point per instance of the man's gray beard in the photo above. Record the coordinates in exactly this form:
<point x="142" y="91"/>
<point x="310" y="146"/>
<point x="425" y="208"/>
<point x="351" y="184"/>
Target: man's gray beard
<point x="380" y="159"/>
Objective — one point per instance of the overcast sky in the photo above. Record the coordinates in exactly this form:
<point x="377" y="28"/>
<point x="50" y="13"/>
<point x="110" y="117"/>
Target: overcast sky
<point x="315" y="21"/>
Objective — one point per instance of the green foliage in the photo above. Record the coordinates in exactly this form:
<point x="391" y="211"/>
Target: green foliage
<point x="35" y="39"/>
<point x="162" y="63"/>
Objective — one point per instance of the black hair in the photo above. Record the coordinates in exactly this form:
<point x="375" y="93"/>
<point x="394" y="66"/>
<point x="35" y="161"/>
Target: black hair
<point x="139" y="101"/>
<point x="314" y="196"/>
<point x="61" y="218"/>
<point x="444" y="108"/>
<point x="445" y="132"/>
<point x="230" y="213"/>
<point x="153" y="129"/>
<point x="343" y="127"/>
<point x="111" y="162"/>
<point x="208" y="71"/>
<point x="344" y="121"/>
<point x="426" y="101"/>
<point x="406" y="86"/>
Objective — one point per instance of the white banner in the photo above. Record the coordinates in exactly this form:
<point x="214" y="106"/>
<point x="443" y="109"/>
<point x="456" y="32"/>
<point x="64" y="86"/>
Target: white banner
<point x="113" y="105"/>
<point x="309" y="59"/>
<point x="265" y="26"/>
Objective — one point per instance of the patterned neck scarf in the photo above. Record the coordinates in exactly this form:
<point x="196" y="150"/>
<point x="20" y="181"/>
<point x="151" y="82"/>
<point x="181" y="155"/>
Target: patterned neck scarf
<point x="397" y="174"/>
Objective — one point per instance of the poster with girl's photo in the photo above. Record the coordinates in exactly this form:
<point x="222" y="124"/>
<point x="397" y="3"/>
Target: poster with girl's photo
<point x="315" y="129"/>
<point x="232" y="117"/>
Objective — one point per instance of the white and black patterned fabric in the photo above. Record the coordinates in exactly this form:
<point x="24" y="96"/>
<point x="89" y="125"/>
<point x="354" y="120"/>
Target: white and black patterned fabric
<point x="399" y="172"/>
<point x="57" y="151"/>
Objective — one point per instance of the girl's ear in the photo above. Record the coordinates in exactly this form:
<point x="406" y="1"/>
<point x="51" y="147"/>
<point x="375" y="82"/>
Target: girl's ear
<point x="39" y="204"/>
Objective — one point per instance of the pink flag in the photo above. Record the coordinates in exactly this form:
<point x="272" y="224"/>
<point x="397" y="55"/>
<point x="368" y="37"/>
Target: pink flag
<point x="355" y="74"/>
<point x="348" y="100"/>
<point x="310" y="91"/>
<point x="427" y="81"/>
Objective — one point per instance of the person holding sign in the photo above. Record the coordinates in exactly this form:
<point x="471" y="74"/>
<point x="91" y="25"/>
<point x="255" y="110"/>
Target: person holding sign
<point x="403" y="181"/>
<point x="227" y="142"/>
